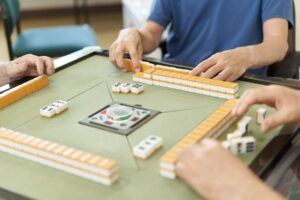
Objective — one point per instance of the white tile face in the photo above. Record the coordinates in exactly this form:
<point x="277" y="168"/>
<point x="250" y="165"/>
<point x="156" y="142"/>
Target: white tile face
<point x="53" y="109"/>
<point x="147" y="146"/>
<point x="249" y="144"/>
<point x="116" y="87"/>
<point x="236" y="145"/>
<point x="48" y="111"/>
<point x="137" y="88"/>
<point x="155" y="140"/>
<point x="125" y="87"/>
<point x="141" y="151"/>
<point x="243" y="124"/>
<point x="60" y="105"/>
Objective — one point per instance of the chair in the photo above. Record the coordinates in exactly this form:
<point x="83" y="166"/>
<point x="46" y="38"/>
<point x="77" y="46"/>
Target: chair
<point x="53" y="41"/>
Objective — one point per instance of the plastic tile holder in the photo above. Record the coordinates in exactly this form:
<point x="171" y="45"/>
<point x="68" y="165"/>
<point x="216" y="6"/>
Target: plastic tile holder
<point x="119" y="118"/>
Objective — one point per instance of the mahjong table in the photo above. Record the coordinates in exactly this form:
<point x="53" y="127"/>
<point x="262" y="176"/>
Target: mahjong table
<point x="84" y="79"/>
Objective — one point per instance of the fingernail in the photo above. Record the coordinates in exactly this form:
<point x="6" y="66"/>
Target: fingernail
<point x="137" y="69"/>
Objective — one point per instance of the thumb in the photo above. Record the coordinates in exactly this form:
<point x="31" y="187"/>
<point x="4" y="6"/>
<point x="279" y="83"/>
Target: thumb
<point x="274" y="120"/>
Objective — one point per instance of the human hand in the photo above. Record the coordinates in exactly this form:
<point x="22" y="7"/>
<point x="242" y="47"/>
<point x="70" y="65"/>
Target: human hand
<point x="29" y="65"/>
<point x="130" y="41"/>
<point x="285" y="100"/>
<point x="215" y="173"/>
<point x="226" y="66"/>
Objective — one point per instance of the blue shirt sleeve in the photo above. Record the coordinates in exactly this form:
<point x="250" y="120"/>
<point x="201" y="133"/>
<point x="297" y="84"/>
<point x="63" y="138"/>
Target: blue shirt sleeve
<point x="161" y="12"/>
<point x="278" y="9"/>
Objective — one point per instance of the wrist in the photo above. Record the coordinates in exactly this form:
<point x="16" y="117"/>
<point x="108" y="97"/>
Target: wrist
<point x="250" y="61"/>
<point x="5" y="76"/>
<point x="257" y="190"/>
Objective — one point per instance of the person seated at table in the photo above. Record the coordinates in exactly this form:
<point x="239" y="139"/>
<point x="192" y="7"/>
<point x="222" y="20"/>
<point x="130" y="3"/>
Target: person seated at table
<point x="222" y="39"/>
<point x="217" y="174"/>
<point x="28" y="65"/>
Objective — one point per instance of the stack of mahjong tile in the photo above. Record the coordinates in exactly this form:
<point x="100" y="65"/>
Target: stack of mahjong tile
<point x="147" y="147"/>
<point x="236" y="142"/>
<point x="23" y="90"/>
<point x="83" y="164"/>
<point x="56" y="108"/>
<point x="180" y="80"/>
<point x="126" y="88"/>
<point x="213" y="126"/>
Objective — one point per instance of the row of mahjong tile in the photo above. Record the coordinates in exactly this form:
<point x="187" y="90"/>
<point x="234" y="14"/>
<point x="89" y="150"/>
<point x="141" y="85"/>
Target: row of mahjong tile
<point x="21" y="91"/>
<point x="86" y="165"/>
<point x="147" y="147"/>
<point x="147" y="65"/>
<point x="178" y="75"/>
<point x="127" y="88"/>
<point x="140" y="79"/>
<point x="168" y="161"/>
<point x="56" y="108"/>
<point x="191" y="81"/>
<point x="56" y="149"/>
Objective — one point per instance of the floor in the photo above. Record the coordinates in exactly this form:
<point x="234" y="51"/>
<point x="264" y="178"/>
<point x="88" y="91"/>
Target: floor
<point x="107" y="26"/>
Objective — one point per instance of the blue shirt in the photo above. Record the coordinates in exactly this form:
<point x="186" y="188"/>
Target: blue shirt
<point x="201" y="28"/>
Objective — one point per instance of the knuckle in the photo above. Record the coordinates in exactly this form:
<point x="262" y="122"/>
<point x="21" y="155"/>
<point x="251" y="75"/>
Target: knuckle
<point x="133" y="53"/>
<point x="180" y="168"/>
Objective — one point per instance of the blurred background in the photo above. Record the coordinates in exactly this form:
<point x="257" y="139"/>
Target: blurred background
<point x="106" y="17"/>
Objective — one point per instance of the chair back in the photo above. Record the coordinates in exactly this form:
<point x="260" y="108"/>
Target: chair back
<point x="11" y="20"/>
<point x="292" y="34"/>
<point x="11" y="11"/>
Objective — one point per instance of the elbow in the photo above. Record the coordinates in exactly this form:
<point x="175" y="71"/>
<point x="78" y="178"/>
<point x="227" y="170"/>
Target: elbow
<point x="283" y="50"/>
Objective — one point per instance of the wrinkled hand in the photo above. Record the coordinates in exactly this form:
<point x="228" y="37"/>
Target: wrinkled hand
<point x="130" y="41"/>
<point x="30" y="65"/>
<point x="286" y="102"/>
<point x="226" y="66"/>
<point x="215" y="173"/>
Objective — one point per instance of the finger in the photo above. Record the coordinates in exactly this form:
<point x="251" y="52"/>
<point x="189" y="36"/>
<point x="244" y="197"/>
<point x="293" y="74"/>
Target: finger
<point x="232" y="78"/>
<point x="208" y="142"/>
<point x="39" y="65"/>
<point x="223" y="75"/>
<point x="120" y="59"/>
<point x="112" y="56"/>
<point x="203" y="66"/>
<point x="49" y="64"/>
<point x="135" y="57"/>
<point x="276" y="119"/>
<point x="244" y="103"/>
<point x="213" y="71"/>
<point x="258" y="96"/>
<point x="180" y="169"/>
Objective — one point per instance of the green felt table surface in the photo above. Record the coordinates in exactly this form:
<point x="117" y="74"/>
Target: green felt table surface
<point x="86" y="85"/>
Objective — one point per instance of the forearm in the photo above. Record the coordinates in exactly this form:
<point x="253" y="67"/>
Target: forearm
<point x="268" y="52"/>
<point x="4" y="77"/>
<point x="149" y="41"/>
<point x="257" y="190"/>
<point x="151" y="36"/>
